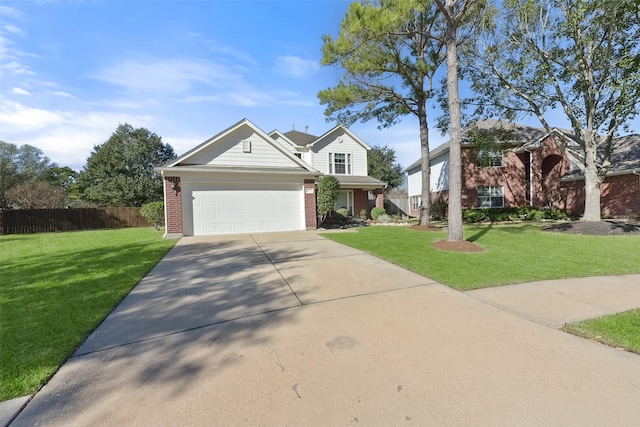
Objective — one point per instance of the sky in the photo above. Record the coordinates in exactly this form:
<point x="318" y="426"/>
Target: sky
<point x="71" y="71"/>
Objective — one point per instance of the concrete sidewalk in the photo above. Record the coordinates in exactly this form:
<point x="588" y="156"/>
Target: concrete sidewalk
<point x="557" y="302"/>
<point x="293" y="329"/>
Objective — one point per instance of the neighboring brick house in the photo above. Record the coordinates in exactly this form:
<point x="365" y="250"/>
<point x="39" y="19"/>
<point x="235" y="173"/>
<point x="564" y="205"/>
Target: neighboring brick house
<point x="530" y="170"/>
<point x="244" y="180"/>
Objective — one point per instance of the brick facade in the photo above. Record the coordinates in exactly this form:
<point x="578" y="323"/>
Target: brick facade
<point x="360" y="202"/>
<point x="173" y="206"/>
<point x="619" y="196"/>
<point x="310" y="209"/>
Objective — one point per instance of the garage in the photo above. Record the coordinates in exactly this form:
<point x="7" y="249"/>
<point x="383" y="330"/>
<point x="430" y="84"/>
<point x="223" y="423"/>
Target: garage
<point x="239" y="181"/>
<point x="234" y="209"/>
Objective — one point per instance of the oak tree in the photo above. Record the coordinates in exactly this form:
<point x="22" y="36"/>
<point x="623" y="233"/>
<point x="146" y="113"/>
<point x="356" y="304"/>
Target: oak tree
<point x="574" y="59"/>
<point x="120" y="172"/>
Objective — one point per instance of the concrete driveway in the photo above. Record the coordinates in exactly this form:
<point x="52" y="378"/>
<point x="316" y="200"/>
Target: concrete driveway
<point x="293" y="329"/>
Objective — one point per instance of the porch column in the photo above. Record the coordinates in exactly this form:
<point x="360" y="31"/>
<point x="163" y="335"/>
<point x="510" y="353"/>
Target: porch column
<point x="310" y="209"/>
<point x="379" y="198"/>
<point x="172" y="207"/>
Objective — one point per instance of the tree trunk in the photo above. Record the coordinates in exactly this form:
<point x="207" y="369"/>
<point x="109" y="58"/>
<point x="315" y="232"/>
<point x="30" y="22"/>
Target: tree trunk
<point x="425" y="205"/>
<point x="456" y="231"/>
<point x="591" y="181"/>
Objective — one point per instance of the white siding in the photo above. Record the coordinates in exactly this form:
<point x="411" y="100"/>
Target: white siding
<point x="439" y="176"/>
<point x="440" y="173"/>
<point x="414" y="182"/>
<point x="229" y="152"/>
<point x="285" y="144"/>
<point x="339" y="143"/>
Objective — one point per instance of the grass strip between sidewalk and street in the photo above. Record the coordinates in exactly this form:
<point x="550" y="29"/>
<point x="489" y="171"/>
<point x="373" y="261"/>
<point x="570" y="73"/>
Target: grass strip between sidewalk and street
<point x="620" y="330"/>
<point x="56" y="288"/>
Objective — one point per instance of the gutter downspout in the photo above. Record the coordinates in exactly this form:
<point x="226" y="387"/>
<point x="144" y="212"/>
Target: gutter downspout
<point x="637" y="172"/>
<point x="530" y="176"/>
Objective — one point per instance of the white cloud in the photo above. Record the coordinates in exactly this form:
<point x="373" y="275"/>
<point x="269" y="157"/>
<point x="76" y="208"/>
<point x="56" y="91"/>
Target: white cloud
<point x="294" y="66"/>
<point x="10" y="12"/>
<point x="20" y="91"/>
<point x="66" y="137"/>
<point x="9" y="28"/>
<point x="227" y="52"/>
<point x="162" y="76"/>
<point x="21" y="118"/>
<point x="62" y="94"/>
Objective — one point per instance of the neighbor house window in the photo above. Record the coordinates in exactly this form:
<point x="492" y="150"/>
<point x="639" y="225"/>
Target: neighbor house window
<point x="488" y="158"/>
<point x="340" y="163"/>
<point x="298" y="155"/>
<point x="344" y="200"/>
<point x="415" y="202"/>
<point x="490" y="197"/>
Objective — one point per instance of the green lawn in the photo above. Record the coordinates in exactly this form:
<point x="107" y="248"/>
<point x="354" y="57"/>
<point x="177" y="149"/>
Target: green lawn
<point x="514" y="253"/>
<point x="617" y="330"/>
<point x="55" y="288"/>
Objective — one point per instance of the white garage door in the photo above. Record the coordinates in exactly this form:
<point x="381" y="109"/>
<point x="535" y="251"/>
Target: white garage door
<point x="241" y="210"/>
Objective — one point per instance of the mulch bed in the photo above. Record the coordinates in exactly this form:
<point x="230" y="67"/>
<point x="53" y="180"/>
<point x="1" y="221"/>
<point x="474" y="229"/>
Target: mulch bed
<point x="597" y="228"/>
<point x="458" y="246"/>
<point x="448" y="245"/>
<point x="425" y="227"/>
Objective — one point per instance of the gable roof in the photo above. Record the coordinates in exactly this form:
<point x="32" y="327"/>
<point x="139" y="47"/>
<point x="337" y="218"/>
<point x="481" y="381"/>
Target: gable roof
<point x="183" y="160"/>
<point x="304" y="139"/>
<point x="522" y="136"/>
<point x="300" y="138"/>
<point x="625" y="153"/>
<point x="625" y="157"/>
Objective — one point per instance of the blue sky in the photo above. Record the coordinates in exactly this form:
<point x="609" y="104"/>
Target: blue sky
<point x="71" y="71"/>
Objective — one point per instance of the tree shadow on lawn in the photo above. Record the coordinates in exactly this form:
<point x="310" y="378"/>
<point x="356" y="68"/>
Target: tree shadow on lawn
<point x="184" y="318"/>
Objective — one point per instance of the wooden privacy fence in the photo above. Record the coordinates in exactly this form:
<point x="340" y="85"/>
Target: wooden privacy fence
<point x="25" y="221"/>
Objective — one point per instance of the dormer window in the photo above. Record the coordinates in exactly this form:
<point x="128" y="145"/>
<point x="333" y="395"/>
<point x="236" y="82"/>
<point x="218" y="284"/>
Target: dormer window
<point x="340" y="163"/>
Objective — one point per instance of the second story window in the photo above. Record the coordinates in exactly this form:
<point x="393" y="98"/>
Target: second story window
<point x="340" y="163"/>
<point x="489" y="158"/>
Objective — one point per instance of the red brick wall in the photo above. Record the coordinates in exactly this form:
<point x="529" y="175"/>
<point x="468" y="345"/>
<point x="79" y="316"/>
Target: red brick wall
<point x="619" y="196"/>
<point x="547" y="189"/>
<point x="511" y="176"/>
<point x="361" y="201"/>
<point x="310" y="209"/>
<point x="173" y="206"/>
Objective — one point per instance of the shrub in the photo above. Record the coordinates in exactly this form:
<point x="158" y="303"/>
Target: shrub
<point x="535" y="215"/>
<point x="474" y="215"/>
<point x="376" y="212"/>
<point x="154" y="213"/>
<point x="555" y="214"/>
<point x="395" y="217"/>
<point x="343" y="212"/>
<point x="328" y="189"/>
<point x="363" y="214"/>
<point x="439" y="208"/>
<point x="384" y="218"/>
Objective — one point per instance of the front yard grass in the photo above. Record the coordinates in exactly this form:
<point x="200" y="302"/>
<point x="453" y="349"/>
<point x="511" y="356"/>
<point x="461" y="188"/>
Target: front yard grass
<point x="621" y="330"/>
<point x="55" y="288"/>
<point x="514" y="253"/>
